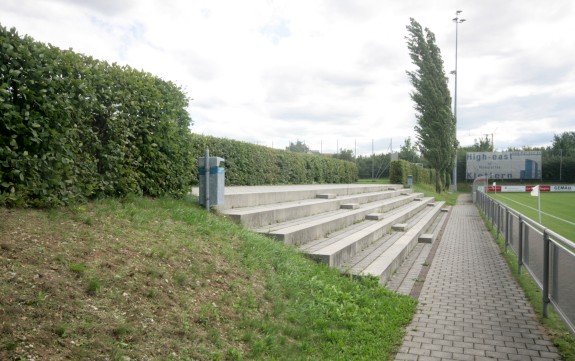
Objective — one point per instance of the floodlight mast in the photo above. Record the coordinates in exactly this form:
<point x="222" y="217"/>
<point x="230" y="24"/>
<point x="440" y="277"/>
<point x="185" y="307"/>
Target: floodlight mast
<point x="457" y="21"/>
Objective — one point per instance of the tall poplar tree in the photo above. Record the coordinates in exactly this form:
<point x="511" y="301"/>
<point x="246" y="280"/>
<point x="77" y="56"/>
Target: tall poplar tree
<point x="435" y="127"/>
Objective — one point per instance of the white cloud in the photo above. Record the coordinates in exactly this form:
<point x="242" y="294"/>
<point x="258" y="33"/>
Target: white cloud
<point x="329" y="72"/>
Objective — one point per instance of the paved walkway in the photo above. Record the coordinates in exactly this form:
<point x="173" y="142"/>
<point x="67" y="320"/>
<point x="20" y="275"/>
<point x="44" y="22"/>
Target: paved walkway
<point x="470" y="307"/>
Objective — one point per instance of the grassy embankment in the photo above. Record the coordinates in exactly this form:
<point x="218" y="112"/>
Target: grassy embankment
<point x="162" y="279"/>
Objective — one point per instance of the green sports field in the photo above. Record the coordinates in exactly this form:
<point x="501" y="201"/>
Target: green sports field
<point x="557" y="209"/>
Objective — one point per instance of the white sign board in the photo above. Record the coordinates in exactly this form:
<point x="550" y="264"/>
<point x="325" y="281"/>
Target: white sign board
<point x="563" y="188"/>
<point x="504" y="165"/>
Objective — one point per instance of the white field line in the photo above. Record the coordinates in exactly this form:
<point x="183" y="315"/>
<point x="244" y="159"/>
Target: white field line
<point x="535" y="209"/>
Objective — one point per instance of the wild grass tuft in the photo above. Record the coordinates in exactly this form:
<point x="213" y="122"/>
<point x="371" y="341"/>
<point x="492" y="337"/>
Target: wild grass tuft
<point x="94" y="286"/>
<point x="78" y="268"/>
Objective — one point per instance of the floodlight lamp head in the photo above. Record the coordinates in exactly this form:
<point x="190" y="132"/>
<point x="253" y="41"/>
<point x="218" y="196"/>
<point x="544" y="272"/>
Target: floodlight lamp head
<point x="458" y="12"/>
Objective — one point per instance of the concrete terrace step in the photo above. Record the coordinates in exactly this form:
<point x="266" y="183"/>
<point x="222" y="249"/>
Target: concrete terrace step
<point x="363" y="229"/>
<point x="259" y="216"/>
<point x="240" y="197"/>
<point x="310" y="228"/>
<point x="338" y="250"/>
<point x="406" y="276"/>
<point x="370" y="254"/>
<point x="391" y="259"/>
<point x="436" y="225"/>
<point x="330" y="238"/>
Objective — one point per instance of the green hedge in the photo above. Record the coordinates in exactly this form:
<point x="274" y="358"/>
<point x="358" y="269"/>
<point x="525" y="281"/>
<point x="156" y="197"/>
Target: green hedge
<point x="250" y="164"/>
<point x="400" y="169"/>
<point x="75" y="128"/>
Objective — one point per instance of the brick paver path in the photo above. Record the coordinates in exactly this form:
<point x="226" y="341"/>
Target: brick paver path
<point x="470" y="307"/>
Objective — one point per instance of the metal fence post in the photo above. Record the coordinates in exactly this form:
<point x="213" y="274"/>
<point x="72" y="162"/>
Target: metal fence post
<point x="546" y="242"/>
<point x="499" y="219"/>
<point x="506" y="230"/>
<point x="555" y="274"/>
<point x="492" y="213"/>
<point x="520" y="251"/>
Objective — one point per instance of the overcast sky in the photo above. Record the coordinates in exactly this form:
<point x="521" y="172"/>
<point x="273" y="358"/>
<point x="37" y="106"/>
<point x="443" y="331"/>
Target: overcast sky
<point x="330" y="72"/>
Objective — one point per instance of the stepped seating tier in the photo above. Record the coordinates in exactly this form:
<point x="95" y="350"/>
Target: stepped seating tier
<point x="259" y="216"/>
<point x="241" y="197"/>
<point x="338" y="250"/>
<point x="306" y="229"/>
<point x="389" y="261"/>
<point x="363" y="229"/>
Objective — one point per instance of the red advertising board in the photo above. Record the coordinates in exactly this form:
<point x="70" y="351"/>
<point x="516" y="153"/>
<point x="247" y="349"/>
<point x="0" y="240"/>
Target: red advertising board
<point x="541" y="188"/>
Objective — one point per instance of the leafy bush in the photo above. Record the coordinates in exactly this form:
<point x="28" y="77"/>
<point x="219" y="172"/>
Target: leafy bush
<point x="399" y="170"/>
<point x="74" y="127"/>
<point x="250" y="164"/>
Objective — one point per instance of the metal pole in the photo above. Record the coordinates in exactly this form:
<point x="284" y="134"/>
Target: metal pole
<point x="372" y="162"/>
<point x="207" y="187"/>
<point x="457" y="20"/>
<point x="492" y="213"/>
<point x="555" y="273"/>
<point x="539" y="205"/>
<point x="560" y="164"/>
<point x="520" y="251"/>
<point x="506" y="229"/>
<point x="498" y="221"/>
<point x="546" y="242"/>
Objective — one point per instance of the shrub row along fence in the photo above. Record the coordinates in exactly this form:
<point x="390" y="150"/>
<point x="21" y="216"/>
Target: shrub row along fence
<point x="250" y="164"/>
<point x="400" y="169"/>
<point x="75" y="128"/>
<point x="547" y="256"/>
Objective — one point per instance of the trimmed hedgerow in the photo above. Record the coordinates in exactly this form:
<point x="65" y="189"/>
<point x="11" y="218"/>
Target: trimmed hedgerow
<point x="250" y="164"/>
<point x="75" y="128"/>
<point x="399" y="170"/>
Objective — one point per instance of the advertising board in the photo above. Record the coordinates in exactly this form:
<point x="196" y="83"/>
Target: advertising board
<point x="529" y="188"/>
<point x="504" y="165"/>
